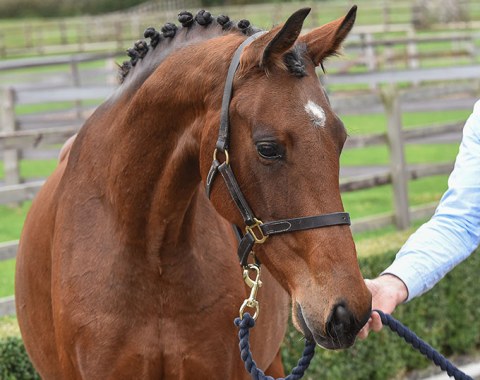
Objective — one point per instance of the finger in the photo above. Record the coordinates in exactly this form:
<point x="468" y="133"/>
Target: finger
<point x="363" y="333"/>
<point x="376" y="324"/>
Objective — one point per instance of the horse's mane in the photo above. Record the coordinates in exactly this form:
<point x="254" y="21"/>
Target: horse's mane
<point x="193" y="28"/>
<point x="203" y="24"/>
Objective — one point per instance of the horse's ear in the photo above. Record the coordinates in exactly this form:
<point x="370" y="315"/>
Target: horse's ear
<point x="325" y="41"/>
<point x="267" y="50"/>
<point x="285" y="38"/>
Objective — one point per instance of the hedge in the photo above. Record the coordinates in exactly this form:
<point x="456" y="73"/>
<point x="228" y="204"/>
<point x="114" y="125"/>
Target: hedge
<point x="446" y="317"/>
<point x="14" y="362"/>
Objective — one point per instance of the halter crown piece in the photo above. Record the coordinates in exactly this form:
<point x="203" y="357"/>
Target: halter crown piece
<point x="256" y="232"/>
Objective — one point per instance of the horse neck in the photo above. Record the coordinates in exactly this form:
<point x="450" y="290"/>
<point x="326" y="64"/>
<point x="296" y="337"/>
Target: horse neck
<point x="153" y="179"/>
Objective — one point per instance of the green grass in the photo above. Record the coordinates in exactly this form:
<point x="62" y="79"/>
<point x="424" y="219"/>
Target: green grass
<point x="7" y="270"/>
<point x="386" y="239"/>
<point x="414" y="154"/>
<point x="8" y="327"/>
<point x="376" y="123"/>
<point x="379" y="200"/>
<point x="43" y="107"/>
<point x="33" y="168"/>
<point x="11" y="221"/>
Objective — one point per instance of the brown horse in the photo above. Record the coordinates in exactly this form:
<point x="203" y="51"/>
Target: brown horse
<point x="126" y="270"/>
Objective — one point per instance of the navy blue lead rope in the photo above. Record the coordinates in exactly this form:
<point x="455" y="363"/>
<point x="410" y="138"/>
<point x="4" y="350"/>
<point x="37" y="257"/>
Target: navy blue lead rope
<point x="244" y="325"/>
<point x="427" y="350"/>
<point x="247" y="322"/>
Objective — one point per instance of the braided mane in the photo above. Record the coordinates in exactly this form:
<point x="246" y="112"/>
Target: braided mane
<point x="142" y="50"/>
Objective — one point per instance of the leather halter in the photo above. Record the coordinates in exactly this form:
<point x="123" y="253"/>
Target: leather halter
<point x="255" y="231"/>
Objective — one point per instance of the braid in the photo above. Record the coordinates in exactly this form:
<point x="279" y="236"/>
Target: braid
<point x="225" y="22"/>
<point x="154" y="36"/>
<point x="204" y="18"/>
<point x="141" y="48"/>
<point x="187" y="20"/>
<point x="133" y="54"/>
<point x="244" y="26"/>
<point x="169" y="30"/>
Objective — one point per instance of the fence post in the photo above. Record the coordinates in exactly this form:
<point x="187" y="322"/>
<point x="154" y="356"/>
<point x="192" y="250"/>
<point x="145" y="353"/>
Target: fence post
<point x="386" y="13"/>
<point x="11" y="157"/>
<point x="28" y="33"/>
<point x="412" y="50"/>
<point x="471" y="48"/>
<point x="80" y="38"/>
<point x="74" y="71"/>
<point x="369" y="51"/>
<point x="398" y="168"/>
<point x="39" y="40"/>
<point x="389" y="56"/>
<point x="62" y="27"/>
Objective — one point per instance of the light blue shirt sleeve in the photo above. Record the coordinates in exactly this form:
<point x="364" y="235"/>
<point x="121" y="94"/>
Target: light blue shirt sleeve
<point x="453" y="232"/>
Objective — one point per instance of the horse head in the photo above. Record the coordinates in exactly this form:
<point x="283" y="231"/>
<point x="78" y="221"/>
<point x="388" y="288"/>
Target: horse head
<point x="284" y="147"/>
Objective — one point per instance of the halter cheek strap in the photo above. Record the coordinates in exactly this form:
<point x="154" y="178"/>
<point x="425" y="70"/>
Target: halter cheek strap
<point x="224" y="131"/>
<point x="256" y="232"/>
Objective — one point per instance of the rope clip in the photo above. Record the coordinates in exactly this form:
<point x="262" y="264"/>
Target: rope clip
<point x="251" y="302"/>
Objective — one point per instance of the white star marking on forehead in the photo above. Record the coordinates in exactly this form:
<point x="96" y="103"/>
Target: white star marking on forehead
<point x="317" y="114"/>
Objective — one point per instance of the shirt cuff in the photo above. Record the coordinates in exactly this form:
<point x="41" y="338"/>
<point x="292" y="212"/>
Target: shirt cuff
<point x="413" y="280"/>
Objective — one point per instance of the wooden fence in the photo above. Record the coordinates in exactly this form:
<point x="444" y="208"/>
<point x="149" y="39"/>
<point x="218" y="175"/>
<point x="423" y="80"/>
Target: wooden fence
<point x="373" y="44"/>
<point x="460" y="91"/>
<point x="24" y="136"/>
<point x="365" y="47"/>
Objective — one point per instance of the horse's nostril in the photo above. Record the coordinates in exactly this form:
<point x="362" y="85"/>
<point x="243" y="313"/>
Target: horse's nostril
<point x="341" y="316"/>
<point x="340" y="321"/>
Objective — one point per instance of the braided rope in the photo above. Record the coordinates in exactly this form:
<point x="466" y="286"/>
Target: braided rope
<point x="421" y="346"/>
<point x="247" y="322"/>
<point x="244" y="325"/>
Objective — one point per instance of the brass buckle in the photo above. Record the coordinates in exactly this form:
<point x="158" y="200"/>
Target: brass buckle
<point x="251" y="302"/>
<point x="259" y="239"/>
<point x="227" y="157"/>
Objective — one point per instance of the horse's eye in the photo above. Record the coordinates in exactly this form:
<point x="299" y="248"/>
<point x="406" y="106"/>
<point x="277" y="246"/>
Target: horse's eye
<point x="269" y="150"/>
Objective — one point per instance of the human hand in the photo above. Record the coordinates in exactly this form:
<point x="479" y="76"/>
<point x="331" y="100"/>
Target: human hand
<point x="388" y="291"/>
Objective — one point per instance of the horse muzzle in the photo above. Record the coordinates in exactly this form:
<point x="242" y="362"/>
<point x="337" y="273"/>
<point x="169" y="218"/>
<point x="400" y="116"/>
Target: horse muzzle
<point x="340" y="330"/>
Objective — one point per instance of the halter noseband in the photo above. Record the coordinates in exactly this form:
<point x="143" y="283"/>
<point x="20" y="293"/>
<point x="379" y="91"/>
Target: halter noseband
<point x="256" y="232"/>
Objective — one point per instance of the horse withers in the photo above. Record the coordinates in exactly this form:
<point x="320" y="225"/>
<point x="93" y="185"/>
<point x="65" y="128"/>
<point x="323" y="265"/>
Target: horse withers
<point x="127" y="270"/>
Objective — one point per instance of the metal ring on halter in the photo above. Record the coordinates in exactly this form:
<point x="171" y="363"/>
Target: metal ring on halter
<point x="227" y="157"/>
<point x="261" y="237"/>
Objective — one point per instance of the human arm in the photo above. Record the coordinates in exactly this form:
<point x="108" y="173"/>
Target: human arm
<point x="454" y="231"/>
<point x="441" y="243"/>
